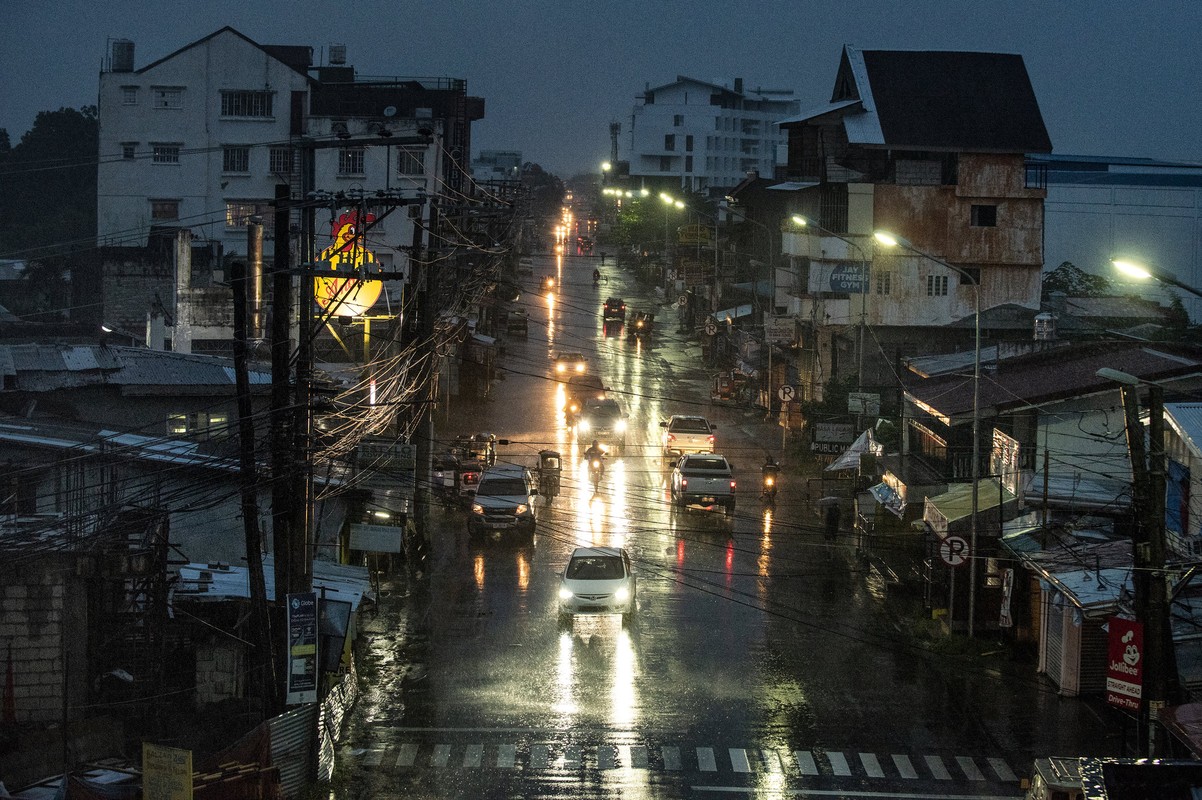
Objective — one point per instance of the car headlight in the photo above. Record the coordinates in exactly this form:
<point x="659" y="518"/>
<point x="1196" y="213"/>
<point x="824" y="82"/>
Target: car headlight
<point x="580" y="368"/>
<point x="521" y="509"/>
<point x="585" y="425"/>
<point x="565" y="593"/>
<point x="620" y="426"/>
<point x="622" y="595"/>
<point x="559" y="367"/>
<point x="477" y="508"/>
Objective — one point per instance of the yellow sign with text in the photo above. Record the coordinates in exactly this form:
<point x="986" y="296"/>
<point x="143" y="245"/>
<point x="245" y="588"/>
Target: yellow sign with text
<point x="166" y="773"/>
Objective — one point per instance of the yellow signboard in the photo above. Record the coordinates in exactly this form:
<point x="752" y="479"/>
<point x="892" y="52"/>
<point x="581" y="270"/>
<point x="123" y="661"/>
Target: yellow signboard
<point x="166" y="773"/>
<point x="350" y="296"/>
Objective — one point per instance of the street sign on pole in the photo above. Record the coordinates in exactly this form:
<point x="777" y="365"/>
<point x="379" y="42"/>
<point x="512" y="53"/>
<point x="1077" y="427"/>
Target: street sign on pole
<point x="953" y="550"/>
<point x="786" y="393"/>
<point x="1124" y="665"/>
<point x="682" y="301"/>
<point x="710" y="328"/>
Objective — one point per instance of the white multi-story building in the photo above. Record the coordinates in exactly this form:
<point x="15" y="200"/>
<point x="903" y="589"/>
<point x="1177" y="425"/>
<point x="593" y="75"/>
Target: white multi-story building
<point x="497" y="165"/>
<point x="705" y="137"/>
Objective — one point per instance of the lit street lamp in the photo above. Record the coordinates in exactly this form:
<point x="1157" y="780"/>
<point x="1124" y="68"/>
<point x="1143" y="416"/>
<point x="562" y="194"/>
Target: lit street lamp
<point x="1144" y="272"/>
<point x="891" y="240"/>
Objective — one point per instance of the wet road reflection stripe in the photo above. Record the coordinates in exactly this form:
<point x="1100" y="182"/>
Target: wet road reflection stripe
<point x="838" y="764"/>
<point x="442" y="754"/>
<point x="1002" y="770"/>
<point x="671" y="758"/>
<point x="705" y="759"/>
<point x="738" y="760"/>
<point x="904" y="767"/>
<point x="772" y="761"/>
<point x="805" y="762"/>
<point x="871" y="765"/>
<point x="970" y="769"/>
<point x="938" y="769"/>
<point x="473" y="755"/>
<point x="406" y="755"/>
<point x="506" y="755"/>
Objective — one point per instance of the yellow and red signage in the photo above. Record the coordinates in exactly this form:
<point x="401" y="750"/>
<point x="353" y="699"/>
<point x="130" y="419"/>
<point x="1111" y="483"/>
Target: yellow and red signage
<point x="351" y="296"/>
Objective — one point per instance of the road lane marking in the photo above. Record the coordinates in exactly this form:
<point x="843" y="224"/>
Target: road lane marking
<point x="473" y="755"/>
<point x="406" y="755"/>
<point x="1002" y="769"/>
<point x="772" y="761"/>
<point x="637" y="757"/>
<point x="540" y="756"/>
<point x="838" y="764"/>
<point x="738" y="760"/>
<point x="853" y="794"/>
<point x="671" y="758"/>
<point x="970" y="769"/>
<point x="871" y="765"/>
<point x="506" y="756"/>
<point x="374" y="757"/>
<point x="442" y="754"/>
<point x="805" y="762"/>
<point x="705" y="759"/>
<point x="904" y="767"/>
<point x="938" y="768"/>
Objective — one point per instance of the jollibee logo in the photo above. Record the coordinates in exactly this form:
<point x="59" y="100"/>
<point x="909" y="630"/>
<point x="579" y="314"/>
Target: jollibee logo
<point x="1131" y="654"/>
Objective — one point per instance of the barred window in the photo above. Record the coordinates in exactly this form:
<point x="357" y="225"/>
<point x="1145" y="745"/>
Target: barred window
<point x="936" y="285"/>
<point x="281" y="160"/>
<point x="129" y="150"/>
<point x="129" y="95"/>
<point x="164" y="209"/>
<point x="884" y="282"/>
<point x="350" y="161"/>
<point x="167" y="96"/>
<point x="246" y="104"/>
<point x="411" y="162"/>
<point x="239" y="212"/>
<point x="235" y="159"/>
<point x="164" y="153"/>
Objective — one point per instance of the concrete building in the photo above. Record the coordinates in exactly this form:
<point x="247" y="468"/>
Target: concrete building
<point x="705" y="137"/>
<point x="497" y="165"/>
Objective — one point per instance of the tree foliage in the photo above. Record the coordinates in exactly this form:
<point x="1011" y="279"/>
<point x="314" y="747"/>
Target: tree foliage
<point x="545" y="190"/>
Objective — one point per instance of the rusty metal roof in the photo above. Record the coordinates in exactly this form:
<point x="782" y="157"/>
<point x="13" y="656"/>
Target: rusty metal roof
<point x="46" y="367"/>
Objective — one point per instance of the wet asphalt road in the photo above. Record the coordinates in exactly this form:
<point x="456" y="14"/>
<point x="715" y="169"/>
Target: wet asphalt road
<point x="763" y="663"/>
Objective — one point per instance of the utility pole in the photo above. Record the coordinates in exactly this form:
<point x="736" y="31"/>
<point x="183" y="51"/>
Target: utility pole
<point x="282" y="417"/>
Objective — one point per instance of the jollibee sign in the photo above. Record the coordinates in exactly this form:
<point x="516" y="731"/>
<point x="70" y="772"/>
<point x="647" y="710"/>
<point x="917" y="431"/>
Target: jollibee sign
<point x="1125" y="664"/>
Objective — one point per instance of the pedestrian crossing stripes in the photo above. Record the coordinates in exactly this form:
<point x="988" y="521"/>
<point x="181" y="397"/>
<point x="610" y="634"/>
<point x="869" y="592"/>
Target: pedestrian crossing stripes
<point x="674" y="758"/>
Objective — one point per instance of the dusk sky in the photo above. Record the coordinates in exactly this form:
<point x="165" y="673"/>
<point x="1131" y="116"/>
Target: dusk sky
<point x="1112" y="78"/>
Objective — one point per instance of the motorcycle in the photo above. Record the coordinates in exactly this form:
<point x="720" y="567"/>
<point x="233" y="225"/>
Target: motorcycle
<point x="596" y="278"/>
<point x="769" y="475"/>
<point x="596" y="469"/>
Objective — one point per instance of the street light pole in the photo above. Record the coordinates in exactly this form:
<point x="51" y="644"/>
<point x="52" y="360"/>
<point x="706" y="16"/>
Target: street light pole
<point x="891" y="240"/>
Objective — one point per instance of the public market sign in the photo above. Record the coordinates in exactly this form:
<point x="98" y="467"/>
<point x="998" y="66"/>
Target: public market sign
<point x="1125" y="664"/>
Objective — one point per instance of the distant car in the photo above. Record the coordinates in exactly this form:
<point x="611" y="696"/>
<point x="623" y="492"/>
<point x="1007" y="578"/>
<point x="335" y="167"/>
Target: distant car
<point x="548" y="284"/>
<point x="604" y="421"/>
<point x="615" y="308"/>
<point x="580" y="389"/>
<point x="687" y="434"/>
<point x="504" y="501"/>
<point x="597" y="580"/>
<point x="570" y="364"/>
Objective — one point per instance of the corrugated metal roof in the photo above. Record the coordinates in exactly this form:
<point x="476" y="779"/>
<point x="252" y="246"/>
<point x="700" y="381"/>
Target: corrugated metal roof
<point x="1186" y="420"/>
<point x="818" y="112"/>
<point x="45" y="367"/>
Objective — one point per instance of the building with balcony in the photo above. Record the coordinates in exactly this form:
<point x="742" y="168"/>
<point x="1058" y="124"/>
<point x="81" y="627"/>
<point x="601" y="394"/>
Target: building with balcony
<point x="704" y="137"/>
<point x="931" y="146"/>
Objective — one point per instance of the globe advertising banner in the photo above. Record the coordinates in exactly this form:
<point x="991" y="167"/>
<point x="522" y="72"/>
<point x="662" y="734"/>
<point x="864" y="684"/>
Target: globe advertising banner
<point x="1125" y="664"/>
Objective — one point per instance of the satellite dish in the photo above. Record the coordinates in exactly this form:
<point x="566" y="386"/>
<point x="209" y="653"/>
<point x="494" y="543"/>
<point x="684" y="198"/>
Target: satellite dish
<point x="390" y="111"/>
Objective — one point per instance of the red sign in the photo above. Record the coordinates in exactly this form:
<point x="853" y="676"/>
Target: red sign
<point x="1125" y="664"/>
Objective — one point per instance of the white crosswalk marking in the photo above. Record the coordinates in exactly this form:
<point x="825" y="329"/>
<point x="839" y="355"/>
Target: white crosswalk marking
<point x="636" y="756"/>
<point x="805" y="762"/>
<point x="772" y="761"/>
<point x="904" y="767"/>
<point x="738" y="760"/>
<point x="871" y="765"/>
<point x="506" y="756"/>
<point x="442" y="754"/>
<point x="571" y="757"/>
<point x="938" y="769"/>
<point x="838" y="764"/>
<point x="374" y="757"/>
<point x="606" y="757"/>
<point x="671" y="757"/>
<point x="970" y="769"/>
<point x="406" y="754"/>
<point x="1002" y="770"/>
<point x="473" y="755"/>
<point x="705" y="759"/>
<point x="540" y="756"/>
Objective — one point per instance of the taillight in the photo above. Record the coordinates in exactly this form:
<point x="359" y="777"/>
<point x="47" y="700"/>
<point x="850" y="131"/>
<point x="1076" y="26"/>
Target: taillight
<point x="711" y="439"/>
<point x="684" y="483"/>
<point x="732" y="486"/>
<point x="671" y="437"/>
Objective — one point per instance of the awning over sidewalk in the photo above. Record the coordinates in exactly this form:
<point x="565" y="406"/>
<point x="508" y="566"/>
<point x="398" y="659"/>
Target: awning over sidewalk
<point x="953" y="508"/>
<point x="865" y="443"/>
<point x="734" y="313"/>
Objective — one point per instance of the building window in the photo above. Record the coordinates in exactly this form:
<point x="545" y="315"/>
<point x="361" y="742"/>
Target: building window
<point x="936" y="285"/>
<point x="665" y="163"/>
<point x="350" y="161"/>
<point x="411" y="161"/>
<point x="688" y="144"/>
<point x="199" y="424"/>
<point x="677" y="120"/>
<point x="239" y="212"/>
<point x="235" y="159"/>
<point x="884" y="282"/>
<point x="280" y="160"/>
<point x="164" y="153"/>
<point x="984" y="216"/>
<point x="167" y="96"/>
<point x="688" y="163"/>
<point x="670" y="141"/>
<point x="129" y="150"/>
<point x="164" y="209"/>
<point x="246" y="104"/>
<point x="129" y="95"/>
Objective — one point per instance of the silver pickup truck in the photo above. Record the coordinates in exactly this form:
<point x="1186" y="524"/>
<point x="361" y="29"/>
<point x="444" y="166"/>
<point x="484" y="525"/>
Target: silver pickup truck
<point x="704" y="480"/>
<point x="687" y="434"/>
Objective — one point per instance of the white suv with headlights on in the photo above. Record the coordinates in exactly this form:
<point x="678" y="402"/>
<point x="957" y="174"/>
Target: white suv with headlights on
<point x="597" y="580"/>
<point x="504" y="501"/>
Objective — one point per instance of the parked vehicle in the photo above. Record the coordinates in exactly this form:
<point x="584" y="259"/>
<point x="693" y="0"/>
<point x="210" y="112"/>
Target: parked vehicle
<point x="517" y="322"/>
<point x="444" y="479"/>
<point x="602" y="421"/>
<point x="704" y="481"/>
<point x="687" y="434"/>
<point x="597" y="580"/>
<point x="504" y="501"/>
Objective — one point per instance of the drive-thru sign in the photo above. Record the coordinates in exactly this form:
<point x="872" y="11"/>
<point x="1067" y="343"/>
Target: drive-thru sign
<point x="1125" y="664"/>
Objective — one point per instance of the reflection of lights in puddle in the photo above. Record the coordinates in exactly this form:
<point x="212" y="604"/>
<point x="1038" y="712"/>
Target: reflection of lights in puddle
<point x="623" y="694"/>
<point x="564" y="704"/>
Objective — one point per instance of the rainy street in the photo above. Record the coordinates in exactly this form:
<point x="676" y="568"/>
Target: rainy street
<point x="762" y="660"/>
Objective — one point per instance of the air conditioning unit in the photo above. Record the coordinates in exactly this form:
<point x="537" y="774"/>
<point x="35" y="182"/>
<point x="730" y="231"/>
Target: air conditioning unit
<point x="337" y="54"/>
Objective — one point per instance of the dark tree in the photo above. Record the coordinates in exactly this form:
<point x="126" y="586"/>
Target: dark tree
<point x="546" y="191"/>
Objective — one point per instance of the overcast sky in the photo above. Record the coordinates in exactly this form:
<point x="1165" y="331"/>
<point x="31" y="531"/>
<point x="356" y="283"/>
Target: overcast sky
<point x="1112" y="78"/>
